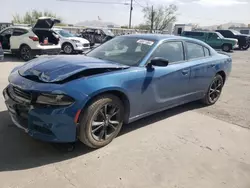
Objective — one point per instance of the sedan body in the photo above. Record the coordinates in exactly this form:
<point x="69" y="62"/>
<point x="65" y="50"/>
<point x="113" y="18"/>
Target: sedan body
<point x="63" y="98"/>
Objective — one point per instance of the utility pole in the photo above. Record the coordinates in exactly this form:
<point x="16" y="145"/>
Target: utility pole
<point x="152" y="20"/>
<point x="130" y="16"/>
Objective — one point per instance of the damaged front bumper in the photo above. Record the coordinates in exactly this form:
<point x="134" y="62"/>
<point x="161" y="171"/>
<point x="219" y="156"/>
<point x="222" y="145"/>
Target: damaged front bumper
<point x="44" y="123"/>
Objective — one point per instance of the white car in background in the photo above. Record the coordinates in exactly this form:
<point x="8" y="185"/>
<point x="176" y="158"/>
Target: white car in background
<point x="70" y="43"/>
<point x="27" y="42"/>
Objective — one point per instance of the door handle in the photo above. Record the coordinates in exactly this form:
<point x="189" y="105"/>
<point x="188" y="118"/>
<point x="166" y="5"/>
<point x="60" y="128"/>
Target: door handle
<point x="185" y="72"/>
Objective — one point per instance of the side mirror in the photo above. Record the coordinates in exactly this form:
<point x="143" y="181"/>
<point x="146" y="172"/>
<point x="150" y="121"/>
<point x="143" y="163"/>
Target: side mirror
<point x="158" y="62"/>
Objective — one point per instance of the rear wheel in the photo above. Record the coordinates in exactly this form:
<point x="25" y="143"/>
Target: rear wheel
<point x="102" y="121"/>
<point x="25" y="53"/>
<point x="245" y="47"/>
<point x="214" y="90"/>
<point x="68" y="48"/>
<point x="226" y="47"/>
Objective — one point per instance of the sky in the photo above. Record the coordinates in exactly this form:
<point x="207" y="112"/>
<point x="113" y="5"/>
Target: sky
<point x="202" y="12"/>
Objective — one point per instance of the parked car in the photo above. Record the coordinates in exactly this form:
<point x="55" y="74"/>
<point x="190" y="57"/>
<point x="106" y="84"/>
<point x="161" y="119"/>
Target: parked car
<point x="63" y="98"/>
<point x="28" y="42"/>
<point x="70" y="43"/>
<point x="97" y="35"/>
<point x="244" y="40"/>
<point x="1" y="52"/>
<point x="214" y="39"/>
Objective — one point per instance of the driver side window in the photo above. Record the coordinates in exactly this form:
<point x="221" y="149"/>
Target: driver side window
<point x="171" y="51"/>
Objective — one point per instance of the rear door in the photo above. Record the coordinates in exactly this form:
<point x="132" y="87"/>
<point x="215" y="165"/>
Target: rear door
<point x="202" y="68"/>
<point x="17" y="37"/>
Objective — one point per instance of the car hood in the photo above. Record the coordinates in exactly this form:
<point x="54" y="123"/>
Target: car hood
<point x="231" y="39"/>
<point x="82" y="40"/>
<point x="58" y="68"/>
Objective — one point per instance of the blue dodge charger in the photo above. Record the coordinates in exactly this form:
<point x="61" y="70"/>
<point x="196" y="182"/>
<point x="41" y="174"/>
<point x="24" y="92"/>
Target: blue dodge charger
<point x="66" y="98"/>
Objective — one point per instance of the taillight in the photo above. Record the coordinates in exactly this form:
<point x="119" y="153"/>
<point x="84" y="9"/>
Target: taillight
<point x="34" y="38"/>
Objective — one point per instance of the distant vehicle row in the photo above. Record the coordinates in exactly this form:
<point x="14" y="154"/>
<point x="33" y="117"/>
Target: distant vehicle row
<point x="40" y="39"/>
<point x="225" y="40"/>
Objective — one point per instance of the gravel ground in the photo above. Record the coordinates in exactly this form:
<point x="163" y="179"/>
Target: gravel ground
<point x="234" y="104"/>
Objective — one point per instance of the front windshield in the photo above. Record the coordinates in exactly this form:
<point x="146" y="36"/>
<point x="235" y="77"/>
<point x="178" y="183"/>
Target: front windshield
<point x="65" y="33"/>
<point x="220" y="35"/>
<point x="236" y="32"/>
<point x="124" y="50"/>
<point x="108" y="32"/>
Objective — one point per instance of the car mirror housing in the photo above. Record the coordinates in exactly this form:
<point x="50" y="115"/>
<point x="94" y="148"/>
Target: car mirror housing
<point x="158" y="62"/>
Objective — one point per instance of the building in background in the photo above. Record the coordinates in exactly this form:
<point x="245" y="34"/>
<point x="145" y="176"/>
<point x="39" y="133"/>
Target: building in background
<point x="179" y="28"/>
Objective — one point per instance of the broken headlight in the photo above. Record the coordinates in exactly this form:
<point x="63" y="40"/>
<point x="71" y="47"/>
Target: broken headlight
<point x="56" y="100"/>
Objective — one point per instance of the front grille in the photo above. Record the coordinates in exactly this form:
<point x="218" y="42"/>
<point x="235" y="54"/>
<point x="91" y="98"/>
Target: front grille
<point x="15" y="92"/>
<point x="85" y="45"/>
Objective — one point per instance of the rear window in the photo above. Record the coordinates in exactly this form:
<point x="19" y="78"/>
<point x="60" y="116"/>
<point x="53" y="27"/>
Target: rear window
<point x="194" y="51"/>
<point x="246" y="32"/>
<point x="19" y="32"/>
<point x="194" y="34"/>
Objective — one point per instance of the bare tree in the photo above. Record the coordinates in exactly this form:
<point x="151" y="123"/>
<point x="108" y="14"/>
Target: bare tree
<point x="159" y="18"/>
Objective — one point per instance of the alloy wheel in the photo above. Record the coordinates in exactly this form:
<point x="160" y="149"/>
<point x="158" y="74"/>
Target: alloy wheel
<point x="25" y="53"/>
<point x="105" y="122"/>
<point x="215" y="90"/>
<point x="68" y="49"/>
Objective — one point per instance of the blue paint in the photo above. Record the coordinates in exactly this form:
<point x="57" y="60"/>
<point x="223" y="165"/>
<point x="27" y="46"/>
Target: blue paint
<point x="148" y="91"/>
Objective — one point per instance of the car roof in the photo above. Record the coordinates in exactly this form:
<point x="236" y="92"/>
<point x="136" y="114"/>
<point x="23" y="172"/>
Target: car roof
<point x="156" y="37"/>
<point x="18" y="27"/>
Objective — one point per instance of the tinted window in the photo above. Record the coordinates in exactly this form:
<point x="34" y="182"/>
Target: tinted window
<point x="124" y="50"/>
<point x="18" y="32"/>
<point x="195" y="34"/>
<point x="212" y="36"/>
<point x="172" y="51"/>
<point x="244" y="32"/>
<point x="7" y="32"/>
<point x="206" y="51"/>
<point x="194" y="51"/>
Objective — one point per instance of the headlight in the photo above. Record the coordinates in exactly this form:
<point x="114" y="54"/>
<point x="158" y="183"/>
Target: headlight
<point x="57" y="100"/>
<point x="76" y="41"/>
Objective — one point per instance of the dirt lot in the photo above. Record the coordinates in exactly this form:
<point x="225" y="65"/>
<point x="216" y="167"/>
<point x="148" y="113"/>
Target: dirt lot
<point x="186" y="147"/>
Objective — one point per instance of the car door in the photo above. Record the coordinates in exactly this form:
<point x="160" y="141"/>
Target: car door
<point x="214" y="40"/>
<point x="17" y="38"/>
<point x="202" y="66"/>
<point x="169" y="85"/>
<point x="5" y="38"/>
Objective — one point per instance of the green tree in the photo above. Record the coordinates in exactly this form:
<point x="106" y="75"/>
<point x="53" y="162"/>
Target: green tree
<point x="31" y="17"/>
<point x="160" y="17"/>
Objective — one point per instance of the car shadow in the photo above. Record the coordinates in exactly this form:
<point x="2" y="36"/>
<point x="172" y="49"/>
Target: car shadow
<point x="19" y="151"/>
<point x="11" y="58"/>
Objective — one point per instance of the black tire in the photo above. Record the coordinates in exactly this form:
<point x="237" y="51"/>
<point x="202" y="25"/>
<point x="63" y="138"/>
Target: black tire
<point x="91" y="132"/>
<point x="213" y="89"/>
<point x="25" y="53"/>
<point x="226" y="47"/>
<point x="246" y="47"/>
<point x="68" y="48"/>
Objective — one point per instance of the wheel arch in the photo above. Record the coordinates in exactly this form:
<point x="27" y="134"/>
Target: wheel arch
<point x="116" y="92"/>
<point x="23" y="44"/>
<point x="223" y="75"/>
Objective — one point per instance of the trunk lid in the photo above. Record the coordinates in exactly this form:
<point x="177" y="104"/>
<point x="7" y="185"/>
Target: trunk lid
<point x="58" y="68"/>
<point x="45" y="23"/>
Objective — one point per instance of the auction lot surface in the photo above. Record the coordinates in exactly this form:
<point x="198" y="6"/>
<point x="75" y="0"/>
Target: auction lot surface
<point x="186" y="147"/>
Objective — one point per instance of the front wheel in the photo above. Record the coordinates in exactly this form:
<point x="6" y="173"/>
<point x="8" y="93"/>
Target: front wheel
<point x="101" y="121"/>
<point x="67" y="48"/>
<point x="214" y="90"/>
